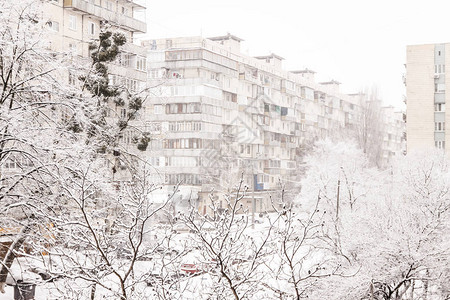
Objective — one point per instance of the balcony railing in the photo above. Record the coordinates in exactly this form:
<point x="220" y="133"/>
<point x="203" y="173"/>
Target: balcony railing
<point x="129" y="23"/>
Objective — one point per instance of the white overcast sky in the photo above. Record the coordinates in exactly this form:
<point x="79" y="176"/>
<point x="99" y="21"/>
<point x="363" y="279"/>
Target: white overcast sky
<point x="357" y="42"/>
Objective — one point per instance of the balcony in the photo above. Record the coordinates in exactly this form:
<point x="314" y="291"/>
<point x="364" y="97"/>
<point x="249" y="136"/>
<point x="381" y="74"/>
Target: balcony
<point x="115" y="18"/>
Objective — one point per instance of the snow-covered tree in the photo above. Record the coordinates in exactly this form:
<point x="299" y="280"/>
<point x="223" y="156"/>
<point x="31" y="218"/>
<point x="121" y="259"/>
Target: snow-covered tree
<point x="369" y="126"/>
<point x="304" y="254"/>
<point x="59" y="147"/>
<point x="392" y="225"/>
<point x="230" y="250"/>
<point x="33" y="132"/>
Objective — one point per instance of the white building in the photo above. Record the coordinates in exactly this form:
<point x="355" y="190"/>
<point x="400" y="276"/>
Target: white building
<point x="74" y="24"/>
<point x="217" y="113"/>
<point x="426" y="85"/>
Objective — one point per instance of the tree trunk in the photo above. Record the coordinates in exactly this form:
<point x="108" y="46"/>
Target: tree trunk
<point x="337" y="198"/>
<point x="425" y="286"/>
<point x="93" y="290"/>
<point x="371" y="291"/>
<point x="10" y="255"/>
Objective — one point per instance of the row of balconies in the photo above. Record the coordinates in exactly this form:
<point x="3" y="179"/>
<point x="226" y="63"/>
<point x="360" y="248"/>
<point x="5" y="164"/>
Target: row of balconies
<point x="122" y="20"/>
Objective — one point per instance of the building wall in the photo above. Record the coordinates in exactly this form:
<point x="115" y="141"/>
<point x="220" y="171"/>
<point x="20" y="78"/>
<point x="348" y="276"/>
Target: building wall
<point x="254" y="118"/>
<point x="427" y="84"/>
<point x="79" y="22"/>
<point x="393" y="140"/>
<point x="445" y="103"/>
<point x="420" y="97"/>
<point x="73" y="24"/>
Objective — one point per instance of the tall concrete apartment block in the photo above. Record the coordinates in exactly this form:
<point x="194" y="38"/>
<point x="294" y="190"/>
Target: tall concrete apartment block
<point x="73" y="24"/>
<point x="217" y="113"/>
<point x="427" y="80"/>
<point x="76" y="23"/>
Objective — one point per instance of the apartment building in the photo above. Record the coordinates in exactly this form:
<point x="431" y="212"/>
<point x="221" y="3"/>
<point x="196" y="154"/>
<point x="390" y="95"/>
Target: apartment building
<point x="217" y="113"/>
<point x="74" y="24"/>
<point x="426" y="85"/>
<point x="394" y="131"/>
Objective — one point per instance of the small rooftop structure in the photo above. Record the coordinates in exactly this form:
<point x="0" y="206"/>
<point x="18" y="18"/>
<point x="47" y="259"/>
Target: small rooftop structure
<point x="273" y="59"/>
<point x="228" y="36"/>
<point x="331" y="82"/>
<point x="306" y="73"/>
<point x="229" y="40"/>
<point x="270" y="56"/>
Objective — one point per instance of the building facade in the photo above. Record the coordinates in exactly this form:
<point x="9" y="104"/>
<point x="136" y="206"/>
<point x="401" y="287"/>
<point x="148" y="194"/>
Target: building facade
<point x="216" y="114"/>
<point x="426" y="85"/>
<point x="394" y="131"/>
<point x="74" y="24"/>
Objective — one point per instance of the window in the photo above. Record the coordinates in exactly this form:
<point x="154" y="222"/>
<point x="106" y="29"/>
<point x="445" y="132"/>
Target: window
<point x="141" y="64"/>
<point x="124" y="10"/>
<point x="439" y="87"/>
<point x="125" y="59"/>
<point x="72" y="78"/>
<point x="154" y="127"/>
<point x="126" y="137"/>
<point x="131" y="85"/>
<point x="168" y="43"/>
<point x="109" y="5"/>
<point x="10" y="164"/>
<point x="112" y="79"/>
<point x="158" y="109"/>
<point x="53" y="25"/>
<point x="17" y="162"/>
<point x="439" y="144"/>
<point x="91" y="28"/>
<point x="155" y="74"/>
<point x="191" y="143"/>
<point x="439" y="126"/>
<point x="439" y="107"/>
<point x="73" y="47"/>
<point x="123" y="113"/>
<point x="72" y="22"/>
<point x="193" y="179"/>
<point x="185" y="126"/>
<point x="183" y="108"/>
<point x="439" y="69"/>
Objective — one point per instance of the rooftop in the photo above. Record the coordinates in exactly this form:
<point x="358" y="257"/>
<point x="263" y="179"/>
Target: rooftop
<point x="272" y="55"/>
<point x="225" y="37"/>
<point x="303" y="71"/>
<point x="330" y="82"/>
